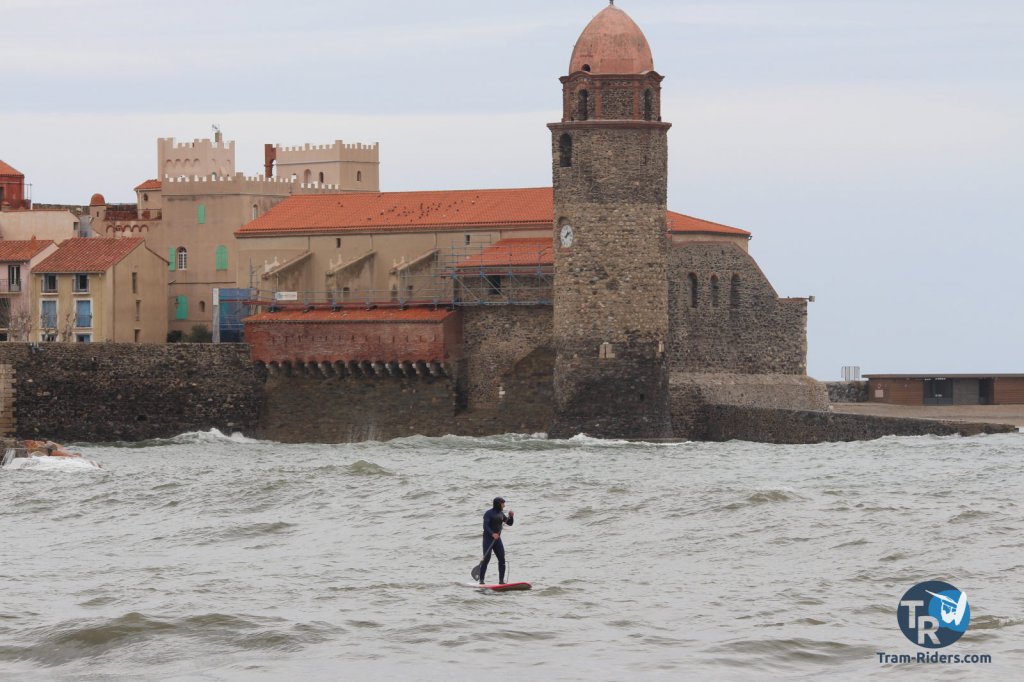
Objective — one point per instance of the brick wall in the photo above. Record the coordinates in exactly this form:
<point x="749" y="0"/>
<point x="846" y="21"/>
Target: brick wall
<point x="334" y="341"/>
<point x="119" y="391"/>
<point x="744" y="327"/>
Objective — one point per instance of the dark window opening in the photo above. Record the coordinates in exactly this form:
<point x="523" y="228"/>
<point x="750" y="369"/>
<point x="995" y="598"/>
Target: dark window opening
<point x="493" y="284"/>
<point x="586" y="67"/>
<point x="321" y="177"/>
<point x="565" y="151"/>
<point x="693" y="289"/>
<point x="714" y="291"/>
<point x="938" y="391"/>
<point x="648" y="105"/>
<point x="584" y="105"/>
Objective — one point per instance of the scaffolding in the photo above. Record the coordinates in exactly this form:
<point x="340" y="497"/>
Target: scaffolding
<point x="509" y="272"/>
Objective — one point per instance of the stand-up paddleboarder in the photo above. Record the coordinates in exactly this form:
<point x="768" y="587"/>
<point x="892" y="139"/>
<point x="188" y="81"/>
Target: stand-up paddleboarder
<point x="494" y="519"/>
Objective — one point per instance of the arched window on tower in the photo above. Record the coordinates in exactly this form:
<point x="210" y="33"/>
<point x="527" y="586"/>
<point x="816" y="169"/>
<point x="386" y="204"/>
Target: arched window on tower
<point x="583" y="103"/>
<point x="693" y="289"/>
<point x="714" y="291"/>
<point x="565" y="150"/>
<point x="648" y="105"/>
<point x="734" y="292"/>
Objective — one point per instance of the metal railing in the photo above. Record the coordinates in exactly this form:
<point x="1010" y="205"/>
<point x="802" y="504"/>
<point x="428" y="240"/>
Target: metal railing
<point x="10" y="286"/>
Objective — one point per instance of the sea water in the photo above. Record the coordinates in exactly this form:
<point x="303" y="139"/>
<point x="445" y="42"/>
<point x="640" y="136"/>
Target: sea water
<point x="210" y="557"/>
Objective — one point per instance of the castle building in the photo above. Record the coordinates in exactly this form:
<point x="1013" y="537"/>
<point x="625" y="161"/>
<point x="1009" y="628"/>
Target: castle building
<point x="190" y="211"/>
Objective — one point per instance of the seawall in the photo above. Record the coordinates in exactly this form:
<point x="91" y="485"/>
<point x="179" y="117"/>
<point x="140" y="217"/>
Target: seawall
<point x="110" y="392"/>
<point x="121" y="391"/>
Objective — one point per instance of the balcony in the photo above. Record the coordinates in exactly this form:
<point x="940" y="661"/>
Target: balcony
<point x="10" y="286"/>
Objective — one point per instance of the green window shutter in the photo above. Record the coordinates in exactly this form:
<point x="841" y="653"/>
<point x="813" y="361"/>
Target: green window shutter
<point x="172" y="261"/>
<point x="222" y="258"/>
<point x="201" y="214"/>
<point x="182" y="309"/>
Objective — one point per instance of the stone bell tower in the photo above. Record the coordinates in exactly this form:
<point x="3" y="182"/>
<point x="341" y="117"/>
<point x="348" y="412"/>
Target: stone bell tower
<point x="610" y="169"/>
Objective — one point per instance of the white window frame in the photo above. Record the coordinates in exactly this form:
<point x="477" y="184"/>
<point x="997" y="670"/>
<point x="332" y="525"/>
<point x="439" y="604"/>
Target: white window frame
<point x="56" y="283"/>
<point x="181" y="258"/>
<point x="74" y="283"/>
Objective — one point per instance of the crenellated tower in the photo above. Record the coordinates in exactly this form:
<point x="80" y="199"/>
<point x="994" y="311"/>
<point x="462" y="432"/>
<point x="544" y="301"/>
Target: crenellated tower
<point x="610" y="174"/>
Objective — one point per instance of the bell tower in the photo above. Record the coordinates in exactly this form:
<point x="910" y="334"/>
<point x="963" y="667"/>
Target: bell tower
<point x="610" y="175"/>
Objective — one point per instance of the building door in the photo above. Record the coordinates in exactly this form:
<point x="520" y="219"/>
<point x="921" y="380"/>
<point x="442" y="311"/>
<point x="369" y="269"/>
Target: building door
<point x="986" y="392"/>
<point x="938" y="391"/>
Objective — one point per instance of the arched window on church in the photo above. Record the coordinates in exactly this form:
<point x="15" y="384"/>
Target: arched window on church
<point x="714" y="291"/>
<point x="583" y="103"/>
<point x="734" y="292"/>
<point x="648" y="105"/>
<point x="565" y="150"/>
<point x="693" y="289"/>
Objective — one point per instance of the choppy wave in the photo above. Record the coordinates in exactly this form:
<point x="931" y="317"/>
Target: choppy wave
<point x="48" y="464"/>
<point x="696" y="560"/>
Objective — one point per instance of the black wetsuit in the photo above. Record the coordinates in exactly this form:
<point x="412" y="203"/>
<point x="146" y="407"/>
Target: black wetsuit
<point x="493" y="520"/>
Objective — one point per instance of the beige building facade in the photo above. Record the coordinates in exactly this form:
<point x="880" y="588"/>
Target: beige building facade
<point x="39" y="223"/>
<point x="100" y="289"/>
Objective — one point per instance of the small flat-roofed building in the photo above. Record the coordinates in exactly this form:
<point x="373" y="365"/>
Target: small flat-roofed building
<point x="946" y="389"/>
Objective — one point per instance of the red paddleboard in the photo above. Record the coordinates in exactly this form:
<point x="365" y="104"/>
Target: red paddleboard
<point x="507" y="587"/>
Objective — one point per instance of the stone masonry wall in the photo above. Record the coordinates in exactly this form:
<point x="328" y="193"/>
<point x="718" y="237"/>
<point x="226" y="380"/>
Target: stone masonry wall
<point x="611" y="296"/>
<point x="496" y="338"/>
<point x="305" y="409"/>
<point x="119" y="391"/>
<point x="847" y="391"/>
<point x="743" y="328"/>
<point x="766" y="425"/>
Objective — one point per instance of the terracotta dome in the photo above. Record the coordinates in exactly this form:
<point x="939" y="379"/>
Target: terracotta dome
<point x="97" y="200"/>
<point x="612" y="43"/>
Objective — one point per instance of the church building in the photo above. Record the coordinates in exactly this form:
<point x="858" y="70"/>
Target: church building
<point x="584" y="307"/>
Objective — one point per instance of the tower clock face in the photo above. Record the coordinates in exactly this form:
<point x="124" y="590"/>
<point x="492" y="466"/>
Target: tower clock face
<point x="566" y="236"/>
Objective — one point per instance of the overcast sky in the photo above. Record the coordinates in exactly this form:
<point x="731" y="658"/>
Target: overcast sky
<point x="875" y="148"/>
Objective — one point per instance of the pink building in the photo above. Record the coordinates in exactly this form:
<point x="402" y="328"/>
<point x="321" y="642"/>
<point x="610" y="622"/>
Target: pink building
<point x="17" y="258"/>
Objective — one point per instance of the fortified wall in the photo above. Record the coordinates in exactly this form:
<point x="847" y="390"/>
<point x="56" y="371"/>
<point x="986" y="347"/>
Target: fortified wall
<point x="105" y="392"/>
<point x="128" y="392"/>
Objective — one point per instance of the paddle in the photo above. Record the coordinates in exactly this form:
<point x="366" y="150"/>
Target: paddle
<point x="476" y="569"/>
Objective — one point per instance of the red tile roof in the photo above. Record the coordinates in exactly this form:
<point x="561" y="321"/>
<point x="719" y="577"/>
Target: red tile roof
<point x="22" y="250"/>
<point x="507" y="253"/>
<point x="8" y="170"/>
<point x="677" y="222"/>
<point x="88" y="254"/>
<point x="150" y="184"/>
<point x="405" y="211"/>
<point x="355" y="315"/>
<point x="428" y="211"/>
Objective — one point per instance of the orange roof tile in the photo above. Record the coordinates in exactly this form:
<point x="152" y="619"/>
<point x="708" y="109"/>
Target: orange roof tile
<point x="405" y="211"/>
<point x="355" y="315"/>
<point x="88" y="254"/>
<point x="677" y="222"/>
<point x="8" y="170"/>
<point x="22" y="249"/>
<point x="149" y="184"/>
<point x="506" y="253"/>
<point x="428" y="211"/>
